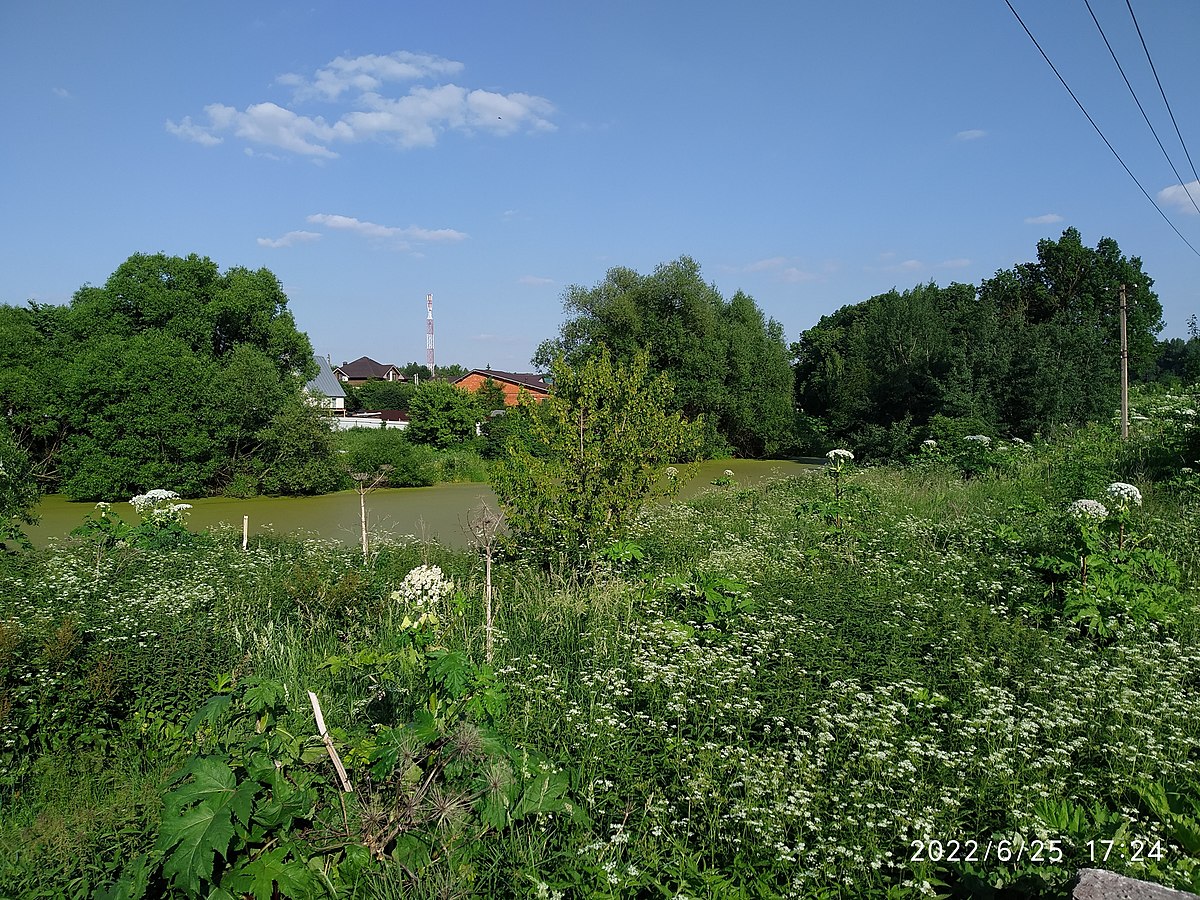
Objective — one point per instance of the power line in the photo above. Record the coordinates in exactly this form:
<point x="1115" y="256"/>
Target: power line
<point x="1133" y="94"/>
<point x="1182" y="143"/>
<point x="1107" y="143"/>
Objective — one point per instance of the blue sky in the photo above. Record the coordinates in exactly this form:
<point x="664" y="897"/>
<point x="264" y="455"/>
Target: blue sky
<point x="812" y="155"/>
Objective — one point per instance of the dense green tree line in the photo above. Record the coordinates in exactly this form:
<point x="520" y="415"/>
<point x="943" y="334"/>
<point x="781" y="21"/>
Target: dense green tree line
<point x="729" y="364"/>
<point x="1034" y="348"/>
<point x="171" y="374"/>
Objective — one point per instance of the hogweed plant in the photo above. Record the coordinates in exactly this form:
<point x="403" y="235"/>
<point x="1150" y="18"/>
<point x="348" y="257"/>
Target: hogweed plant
<point x="1122" y="498"/>
<point x="422" y="596"/>
<point x="839" y="461"/>
<point x="1113" y="574"/>
<point x="161" y="524"/>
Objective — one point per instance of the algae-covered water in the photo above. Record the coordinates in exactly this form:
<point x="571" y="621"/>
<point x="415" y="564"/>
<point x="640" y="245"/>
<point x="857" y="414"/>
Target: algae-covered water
<point x="437" y="513"/>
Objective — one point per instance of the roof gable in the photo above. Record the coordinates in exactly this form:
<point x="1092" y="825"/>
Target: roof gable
<point x="326" y="382"/>
<point x="365" y="367"/>
<point x="529" y="380"/>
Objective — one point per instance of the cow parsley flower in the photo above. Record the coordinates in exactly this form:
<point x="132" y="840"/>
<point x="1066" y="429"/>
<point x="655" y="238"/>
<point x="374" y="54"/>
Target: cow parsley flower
<point x="1083" y="510"/>
<point x="839" y="456"/>
<point x="1123" y="495"/>
<point x="978" y="439"/>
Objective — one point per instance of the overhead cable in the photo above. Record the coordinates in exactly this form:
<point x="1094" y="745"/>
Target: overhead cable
<point x="1170" y="111"/>
<point x="1141" y="109"/>
<point x="1107" y="143"/>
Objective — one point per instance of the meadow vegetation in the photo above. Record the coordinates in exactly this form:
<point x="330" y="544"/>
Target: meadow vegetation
<point x="944" y="677"/>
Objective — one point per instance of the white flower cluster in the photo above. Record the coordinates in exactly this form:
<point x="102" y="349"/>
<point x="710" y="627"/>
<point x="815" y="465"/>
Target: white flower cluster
<point x="143" y="503"/>
<point x="672" y="472"/>
<point x="1087" y="509"/>
<point x="1123" y="495"/>
<point x="929" y="444"/>
<point x="978" y="439"/>
<point x="839" y="456"/>
<point x="158" y="506"/>
<point x="424" y="587"/>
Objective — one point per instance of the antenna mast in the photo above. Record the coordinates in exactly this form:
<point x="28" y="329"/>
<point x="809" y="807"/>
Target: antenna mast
<point x="429" y="335"/>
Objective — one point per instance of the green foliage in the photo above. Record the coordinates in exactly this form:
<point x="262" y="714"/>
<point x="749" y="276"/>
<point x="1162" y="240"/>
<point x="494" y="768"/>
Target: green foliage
<point x="490" y="396"/>
<point x="1109" y="575"/>
<point x="166" y="375"/>
<point x="598" y="444"/>
<point x="442" y="415"/>
<point x="369" y="449"/>
<point x="749" y="709"/>
<point x="18" y="491"/>
<point x="296" y="453"/>
<point x="729" y="365"/>
<point x="1034" y="350"/>
<point x="380" y="394"/>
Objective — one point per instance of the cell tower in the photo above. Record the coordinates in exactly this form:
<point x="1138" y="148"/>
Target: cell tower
<point x="429" y="335"/>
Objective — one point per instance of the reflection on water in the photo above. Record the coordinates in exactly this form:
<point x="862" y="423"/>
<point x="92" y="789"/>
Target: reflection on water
<point x="436" y="513"/>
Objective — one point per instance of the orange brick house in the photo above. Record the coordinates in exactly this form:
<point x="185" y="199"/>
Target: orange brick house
<point x="512" y="383"/>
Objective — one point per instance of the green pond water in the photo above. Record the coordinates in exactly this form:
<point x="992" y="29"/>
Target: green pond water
<point x="437" y="513"/>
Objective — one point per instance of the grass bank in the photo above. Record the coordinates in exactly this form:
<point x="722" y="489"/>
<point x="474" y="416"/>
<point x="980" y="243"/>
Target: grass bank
<point x="896" y="682"/>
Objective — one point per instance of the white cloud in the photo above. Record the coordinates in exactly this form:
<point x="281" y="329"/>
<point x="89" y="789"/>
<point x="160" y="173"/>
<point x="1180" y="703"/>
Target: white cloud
<point x="971" y="134"/>
<point x="191" y="132"/>
<point x="1177" y="195"/>
<point x="404" y="237"/>
<point x="369" y="73"/>
<point x="792" y="275"/>
<point x="1047" y="219"/>
<point x="956" y="263"/>
<point x="416" y="118"/>
<point x="534" y="280"/>
<point x="765" y="265"/>
<point x="268" y="124"/>
<point x="289" y="239"/>
<point x="62" y="92"/>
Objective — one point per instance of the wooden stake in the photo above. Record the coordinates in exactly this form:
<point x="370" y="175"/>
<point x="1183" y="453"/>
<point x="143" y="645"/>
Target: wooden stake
<point x="245" y="532"/>
<point x="328" y="741"/>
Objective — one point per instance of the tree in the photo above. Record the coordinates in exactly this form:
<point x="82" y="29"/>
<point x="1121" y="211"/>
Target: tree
<point x="595" y="449"/>
<point x="490" y="396"/>
<point x="297" y="453"/>
<point x="162" y="377"/>
<point x="442" y="415"/>
<point x="18" y="491"/>
<point x="728" y="364"/>
<point x="1061" y="318"/>
<point x="380" y="394"/>
<point x="1035" y="347"/>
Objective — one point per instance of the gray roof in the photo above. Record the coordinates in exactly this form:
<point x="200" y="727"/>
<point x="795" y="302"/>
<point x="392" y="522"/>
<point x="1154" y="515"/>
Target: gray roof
<point x="326" y="382"/>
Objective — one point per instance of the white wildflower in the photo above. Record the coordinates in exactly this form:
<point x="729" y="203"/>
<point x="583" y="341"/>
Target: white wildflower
<point x="1087" y="509"/>
<point x="1124" y="495"/>
<point x="929" y="444"/>
<point x="839" y="456"/>
<point x="146" y="502"/>
<point x="423" y="589"/>
<point x="978" y="439"/>
<point x="672" y="472"/>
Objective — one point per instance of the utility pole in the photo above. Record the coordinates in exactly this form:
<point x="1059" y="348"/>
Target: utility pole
<point x="1124" y="371"/>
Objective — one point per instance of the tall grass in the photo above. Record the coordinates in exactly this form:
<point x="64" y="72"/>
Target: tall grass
<point x="838" y="698"/>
